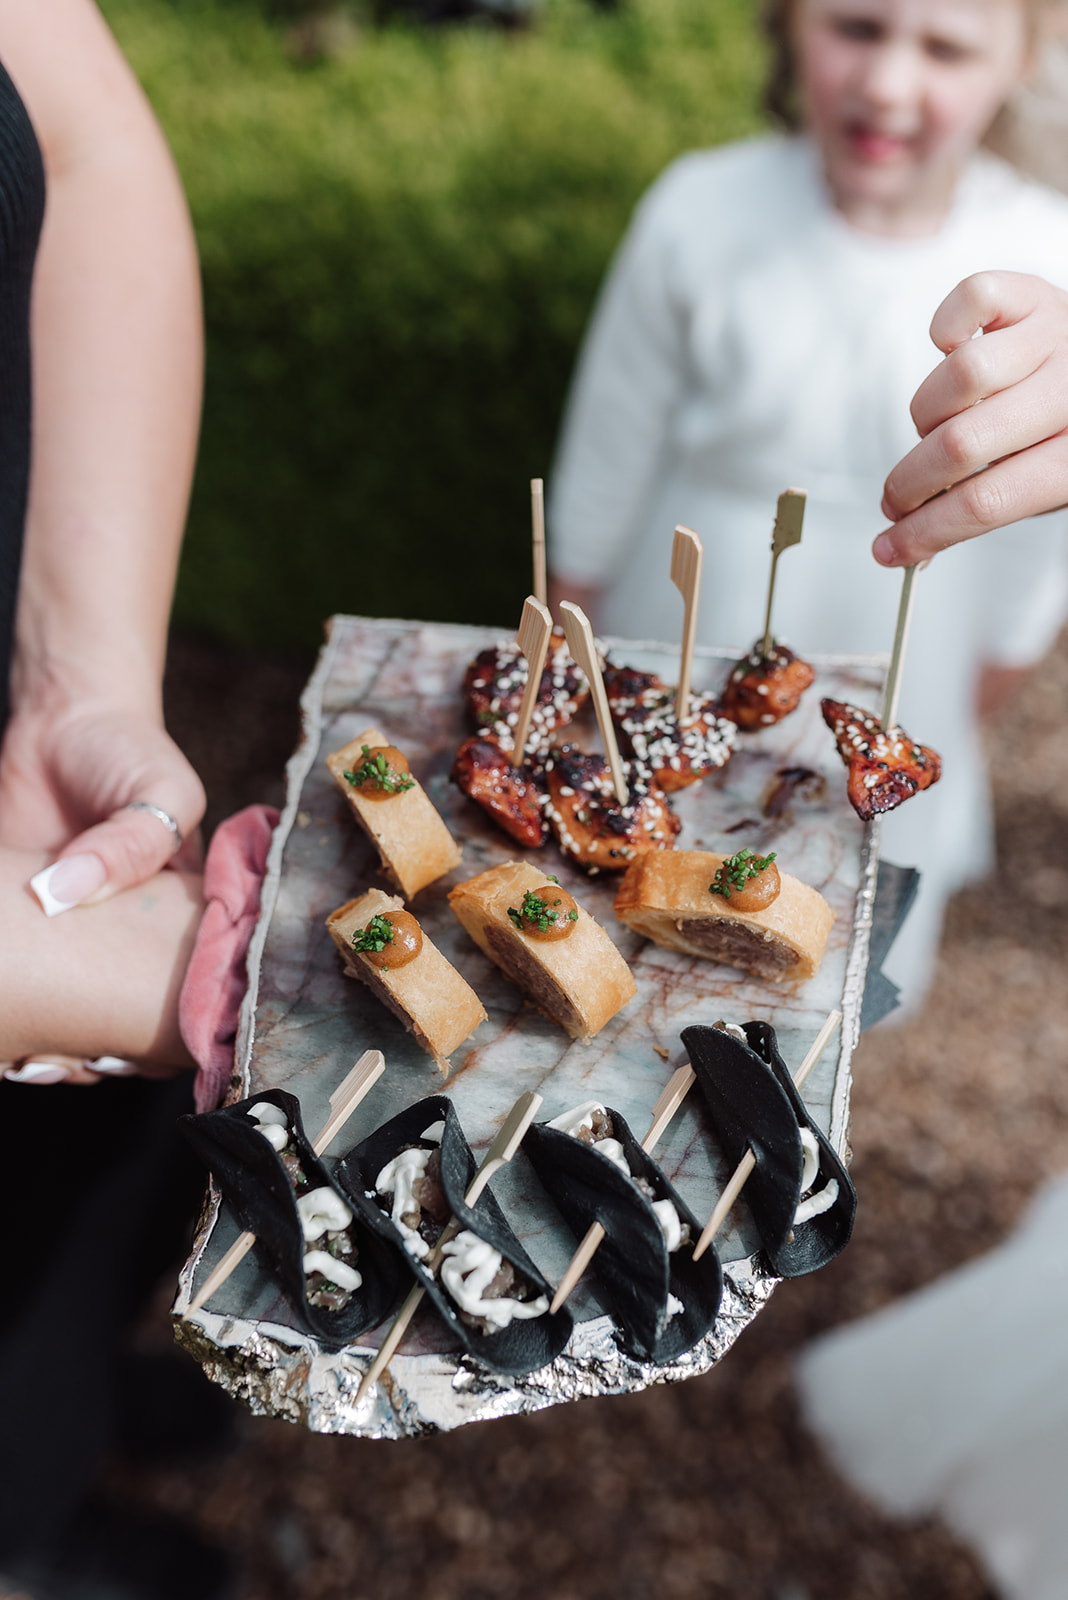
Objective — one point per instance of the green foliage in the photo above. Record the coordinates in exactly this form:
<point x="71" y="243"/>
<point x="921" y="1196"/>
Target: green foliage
<point x="400" y="247"/>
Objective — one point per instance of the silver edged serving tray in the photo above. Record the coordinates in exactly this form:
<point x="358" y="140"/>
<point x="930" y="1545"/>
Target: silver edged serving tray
<point x="304" y="1023"/>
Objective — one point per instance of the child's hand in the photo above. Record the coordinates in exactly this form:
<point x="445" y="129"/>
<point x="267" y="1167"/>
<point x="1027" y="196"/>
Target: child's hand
<point x="1001" y="399"/>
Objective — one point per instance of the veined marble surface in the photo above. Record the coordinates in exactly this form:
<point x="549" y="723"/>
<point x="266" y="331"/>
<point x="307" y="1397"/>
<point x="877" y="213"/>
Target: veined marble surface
<point x="305" y="1023"/>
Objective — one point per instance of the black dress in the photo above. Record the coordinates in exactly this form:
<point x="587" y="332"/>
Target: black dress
<point x="22" y="200"/>
<point x="98" y="1188"/>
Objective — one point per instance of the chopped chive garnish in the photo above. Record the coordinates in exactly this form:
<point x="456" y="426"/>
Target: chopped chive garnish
<point x="376" y="770"/>
<point x="737" y="870"/>
<point x="374" y="938"/>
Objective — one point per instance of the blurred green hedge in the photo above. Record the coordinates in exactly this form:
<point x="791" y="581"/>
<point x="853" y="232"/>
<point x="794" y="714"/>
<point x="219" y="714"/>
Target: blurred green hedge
<point x="400" y="247"/>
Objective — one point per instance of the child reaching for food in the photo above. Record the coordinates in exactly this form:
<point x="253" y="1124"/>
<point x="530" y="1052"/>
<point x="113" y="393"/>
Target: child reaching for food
<point x="765" y="323"/>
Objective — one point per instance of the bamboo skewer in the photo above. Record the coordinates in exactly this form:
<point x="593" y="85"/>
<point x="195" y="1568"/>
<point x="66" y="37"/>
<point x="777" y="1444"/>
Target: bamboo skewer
<point x="901" y="639"/>
<point x="663" y="1111"/>
<point x="343" y="1102"/>
<point x="748" y="1161"/>
<point x="687" y="557"/>
<point x="535" y="628"/>
<point x="789" y="520"/>
<point x="500" y="1151"/>
<point x="537" y="522"/>
<point x="580" y="642"/>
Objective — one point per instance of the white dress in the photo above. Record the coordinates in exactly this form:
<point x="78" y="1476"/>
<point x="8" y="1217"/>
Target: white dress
<point x="955" y="1400"/>
<point x="748" y="339"/>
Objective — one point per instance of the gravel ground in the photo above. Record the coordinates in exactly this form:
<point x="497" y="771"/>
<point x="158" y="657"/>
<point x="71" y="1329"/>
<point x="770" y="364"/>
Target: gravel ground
<point x="711" y="1488"/>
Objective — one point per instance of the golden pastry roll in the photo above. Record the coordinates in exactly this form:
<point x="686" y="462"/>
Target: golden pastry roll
<point x="666" y="896"/>
<point x="570" y="968"/>
<point x="423" y="989"/>
<point x="394" y="810"/>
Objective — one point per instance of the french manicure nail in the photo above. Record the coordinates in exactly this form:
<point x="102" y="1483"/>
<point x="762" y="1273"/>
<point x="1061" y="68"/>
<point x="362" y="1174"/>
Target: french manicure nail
<point x="67" y="882"/>
<point x="40" y="1072"/>
<point x="115" y="1065"/>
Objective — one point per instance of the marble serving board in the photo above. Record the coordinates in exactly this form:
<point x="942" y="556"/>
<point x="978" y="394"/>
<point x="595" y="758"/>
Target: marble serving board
<point x="305" y="1022"/>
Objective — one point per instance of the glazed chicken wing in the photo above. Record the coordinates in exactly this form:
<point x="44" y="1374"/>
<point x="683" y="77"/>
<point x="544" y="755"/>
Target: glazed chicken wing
<point x="885" y="767"/>
<point x="590" y="825"/>
<point x="496" y="679"/>
<point x="514" y="797"/>
<point x="764" y="689"/>
<point x="677" y="753"/>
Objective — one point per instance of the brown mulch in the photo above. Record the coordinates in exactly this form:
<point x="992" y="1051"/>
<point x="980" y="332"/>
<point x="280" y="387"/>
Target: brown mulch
<point x="710" y="1488"/>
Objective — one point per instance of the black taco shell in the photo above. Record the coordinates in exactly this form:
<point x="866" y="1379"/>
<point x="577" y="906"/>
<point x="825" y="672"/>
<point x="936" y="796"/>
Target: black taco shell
<point x="524" y="1345"/>
<point x="750" y="1107"/>
<point x="633" y="1266"/>
<point x="817" y="1241"/>
<point x="250" y="1173"/>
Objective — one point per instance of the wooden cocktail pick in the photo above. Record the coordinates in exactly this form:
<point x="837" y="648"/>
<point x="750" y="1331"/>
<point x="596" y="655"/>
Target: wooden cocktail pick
<point x="580" y="643"/>
<point x="663" y="1111"/>
<point x="901" y="639"/>
<point x="500" y="1151"/>
<point x="789" y="519"/>
<point x="748" y="1161"/>
<point x="343" y="1102"/>
<point x="537" y="524"/>
<point x="687" y="558"/>
<point x="535" y="627"/>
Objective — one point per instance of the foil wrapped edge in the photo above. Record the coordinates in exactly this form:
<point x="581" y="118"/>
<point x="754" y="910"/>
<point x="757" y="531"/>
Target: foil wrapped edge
<point x="279" y="1372"/>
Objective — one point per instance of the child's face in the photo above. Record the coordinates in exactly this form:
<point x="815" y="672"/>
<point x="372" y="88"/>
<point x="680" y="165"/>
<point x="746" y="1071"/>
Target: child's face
<point x="897" y="94"/>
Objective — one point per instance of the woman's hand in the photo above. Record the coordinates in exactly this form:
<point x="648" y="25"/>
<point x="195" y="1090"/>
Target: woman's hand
<point x="45" y="1070"/>
<point x="67" y="775"/>
<point x="992" y="418"/>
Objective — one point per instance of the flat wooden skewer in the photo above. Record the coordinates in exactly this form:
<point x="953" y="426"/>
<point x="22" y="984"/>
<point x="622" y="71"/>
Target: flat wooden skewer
<point x="500" y="1151"/>
<point x="537" y="522"/>
<point x="535" y="628"/>
<point x="343" y="1102"/>
<point x="580" y="642"/>
<point x="748" y="1161"/>
<point x="901" y="638"/>
<point x="663" y="1111"/>
<point x="687" y="558"/>
<point x="789" y="520"/>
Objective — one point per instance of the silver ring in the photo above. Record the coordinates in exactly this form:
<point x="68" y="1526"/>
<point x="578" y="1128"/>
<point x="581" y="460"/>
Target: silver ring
<point x="160" y="816"/>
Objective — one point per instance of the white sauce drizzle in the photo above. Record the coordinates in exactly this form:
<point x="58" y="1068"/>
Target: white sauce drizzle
<point x="335" y="1271"/>
<point x="271" y="1122"/>
<point x="322" y="1211"/>
<point x="398" y="1178"/>
<point x="824" y="1198"/>
<point x="817" y="1203"/>
<point x="811" y="1152"/>
<point x="676" y="1232"/>
<point x="264" y="1111"/>
<point x="468" y="1268"/>
<point x="579" y="1117"/>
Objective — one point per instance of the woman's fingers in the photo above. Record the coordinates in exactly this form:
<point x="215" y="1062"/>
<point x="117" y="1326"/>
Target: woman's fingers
<point x="81" y="1071"/>
<point x="1023" y="485"/>
<point x="45" y="1070"/>
<point x="161" y="809"/>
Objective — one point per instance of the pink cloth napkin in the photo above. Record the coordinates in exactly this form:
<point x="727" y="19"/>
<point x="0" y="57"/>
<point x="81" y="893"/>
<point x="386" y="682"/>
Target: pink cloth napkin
<point x="216" y="980"/>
